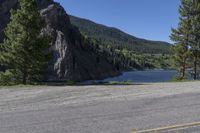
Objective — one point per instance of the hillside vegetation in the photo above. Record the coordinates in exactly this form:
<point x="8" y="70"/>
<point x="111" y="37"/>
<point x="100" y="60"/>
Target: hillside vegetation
<point x="119" y="39"/>
<point x="123" y="50"/>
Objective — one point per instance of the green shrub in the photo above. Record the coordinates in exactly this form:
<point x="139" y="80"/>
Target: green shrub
<point x="8" y="78"/>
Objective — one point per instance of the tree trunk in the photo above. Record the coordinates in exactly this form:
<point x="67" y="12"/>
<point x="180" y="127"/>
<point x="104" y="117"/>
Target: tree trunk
<point x="183" y="74"/>
<point x="195" y="67"/>
<point x="25" y="78"/>
<point x="183" y="70"/>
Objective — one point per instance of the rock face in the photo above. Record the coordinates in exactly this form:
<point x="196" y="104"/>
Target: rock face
<point x="70" y="60"/>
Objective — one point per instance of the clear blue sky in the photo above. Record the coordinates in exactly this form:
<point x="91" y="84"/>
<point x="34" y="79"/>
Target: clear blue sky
<point x="149" y="19"/>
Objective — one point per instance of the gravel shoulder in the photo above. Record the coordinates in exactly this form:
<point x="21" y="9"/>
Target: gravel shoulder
<point x="100" y="109"/>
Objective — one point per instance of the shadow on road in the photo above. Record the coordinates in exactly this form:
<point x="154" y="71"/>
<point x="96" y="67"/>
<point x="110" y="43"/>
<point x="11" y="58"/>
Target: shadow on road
<point x="96" y="84"/>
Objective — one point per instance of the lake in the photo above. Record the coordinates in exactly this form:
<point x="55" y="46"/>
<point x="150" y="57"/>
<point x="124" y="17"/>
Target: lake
<point x="143" y="76"/>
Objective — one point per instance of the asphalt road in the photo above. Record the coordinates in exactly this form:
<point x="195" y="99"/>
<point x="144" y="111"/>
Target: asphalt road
<point x="100" y="109"/>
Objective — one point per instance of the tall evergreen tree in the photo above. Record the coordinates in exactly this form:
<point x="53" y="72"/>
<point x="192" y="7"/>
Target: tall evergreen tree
<point x="181" y="37"/>
<point x="195" y="35"/>
<point x="24" y="49"/>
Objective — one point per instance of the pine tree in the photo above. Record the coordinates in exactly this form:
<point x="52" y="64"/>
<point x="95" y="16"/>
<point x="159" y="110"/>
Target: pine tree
<point x="181" y="37"/>
<point x="181" y="54"/>
<point x="195" y="35"/>
<point x="24" y="51"/>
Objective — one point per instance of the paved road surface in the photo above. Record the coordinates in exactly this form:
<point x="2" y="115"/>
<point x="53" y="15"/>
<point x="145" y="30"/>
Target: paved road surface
<point x="99" y="109"/>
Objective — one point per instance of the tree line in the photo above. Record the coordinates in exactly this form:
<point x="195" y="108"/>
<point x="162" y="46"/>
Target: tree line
<point x="125" y="59"/>
<point x="187" y="39"/>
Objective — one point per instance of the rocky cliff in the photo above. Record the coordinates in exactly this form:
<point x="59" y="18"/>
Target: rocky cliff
<point x="70" y="59"/>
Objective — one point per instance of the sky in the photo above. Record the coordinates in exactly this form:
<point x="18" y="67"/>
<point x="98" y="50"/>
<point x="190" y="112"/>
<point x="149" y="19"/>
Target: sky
<point x="148" y="19"/>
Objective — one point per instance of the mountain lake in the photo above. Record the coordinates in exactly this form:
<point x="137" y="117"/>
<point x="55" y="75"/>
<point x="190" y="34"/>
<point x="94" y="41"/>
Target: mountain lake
<point x="141" y="76"/>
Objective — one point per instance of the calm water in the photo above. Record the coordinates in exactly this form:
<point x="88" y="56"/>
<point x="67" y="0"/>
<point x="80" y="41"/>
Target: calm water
<point x="145" y="76"/>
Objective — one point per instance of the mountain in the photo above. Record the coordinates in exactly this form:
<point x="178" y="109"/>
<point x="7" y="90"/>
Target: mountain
<point x="119" y="39"/>
<point x="83" y="50"/>
<point x="72" y="60"/>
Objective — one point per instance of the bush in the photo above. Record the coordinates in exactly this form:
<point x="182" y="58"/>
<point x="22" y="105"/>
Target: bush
<point x="8" y="78"/>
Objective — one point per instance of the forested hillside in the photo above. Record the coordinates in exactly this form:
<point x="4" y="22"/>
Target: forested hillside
<point x="118" y="39"/>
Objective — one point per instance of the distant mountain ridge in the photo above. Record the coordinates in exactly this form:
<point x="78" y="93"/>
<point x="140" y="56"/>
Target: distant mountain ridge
<point x="119" y="39"/>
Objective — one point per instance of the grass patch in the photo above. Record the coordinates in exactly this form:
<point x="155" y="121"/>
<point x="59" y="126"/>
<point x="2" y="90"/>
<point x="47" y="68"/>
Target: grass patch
<point x="182" y="80"/>
<point x="113" y="83"/>
<point x="42" y="84"/>
<point x="18" y="86"/>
